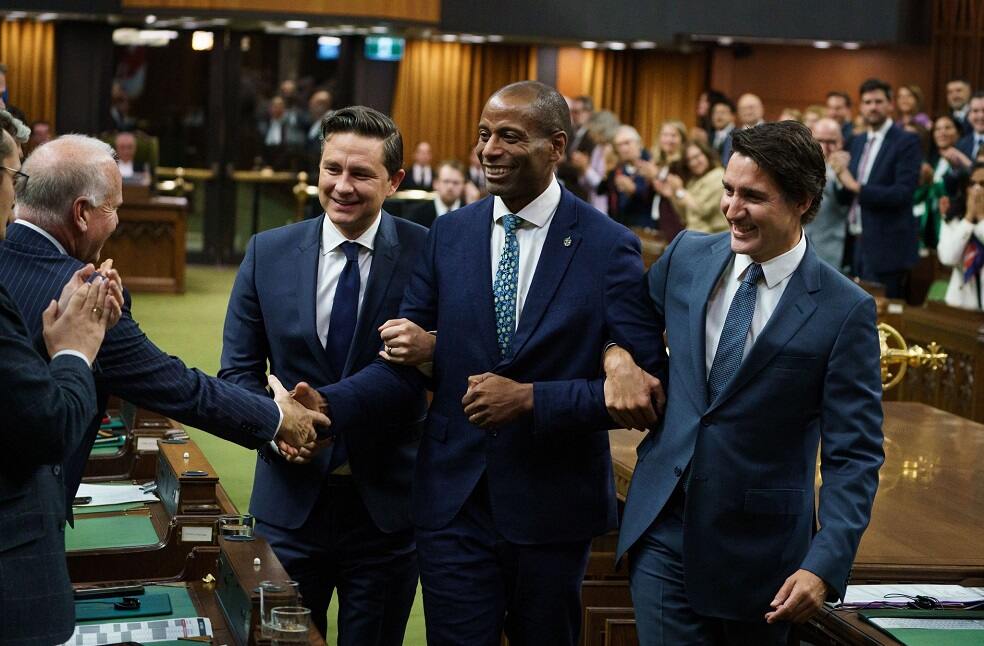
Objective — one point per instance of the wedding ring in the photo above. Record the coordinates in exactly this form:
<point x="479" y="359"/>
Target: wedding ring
<point x="97" y="311"/>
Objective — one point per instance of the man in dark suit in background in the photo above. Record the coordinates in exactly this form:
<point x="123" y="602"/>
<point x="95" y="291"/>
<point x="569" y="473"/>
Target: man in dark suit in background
<point x="839" y="109"/>
<point x="420" y="175"/>
<point x="513" y="476"/>
<point x="972" y="142"/>
<point x="581" y="110"/>
<point x="958" y="92"/>
<point x="65" y="212"/>
<point x="309" y="299"/>
<point x="879" y="176"/>
<point x="450" y="188"/>
<point x="772" y="353"/>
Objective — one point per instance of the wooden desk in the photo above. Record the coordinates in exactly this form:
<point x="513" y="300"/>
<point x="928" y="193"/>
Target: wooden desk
<point x="148" y="246"/>
<point x="137" y="458"/>
<point x="927" y="516"/>
<point x="185" y="519"/>
<point x="959" y="386"/>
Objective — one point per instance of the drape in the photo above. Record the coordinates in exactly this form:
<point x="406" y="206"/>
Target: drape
<point x="442" y="87"/>
<point x="644" y="87"/>
<point x="27" y="48"/>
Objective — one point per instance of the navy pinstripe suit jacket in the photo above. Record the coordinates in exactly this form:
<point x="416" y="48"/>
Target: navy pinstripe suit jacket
<point x="129" y="365"/>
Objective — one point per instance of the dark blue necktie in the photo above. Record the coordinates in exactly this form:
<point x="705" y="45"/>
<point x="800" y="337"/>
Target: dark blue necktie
<point x="341" y="328"/>
<point x="505" y="285"/>
<point x="730" y="348"/>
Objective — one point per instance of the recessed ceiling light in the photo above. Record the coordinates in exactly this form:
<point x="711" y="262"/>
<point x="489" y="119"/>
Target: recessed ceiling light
<point x="726" y="41"/>
<point x="617" y="45"/>
<point x="495" y="38"/>
<point x="589" y="44"/>
<point x="852" y="45"/>
<point x="151" y="19"/>
<point x="296" y="24"/>
<point x="643" y="44"/>
<point x="449" y="38"/>
<point x="821" y="44"/>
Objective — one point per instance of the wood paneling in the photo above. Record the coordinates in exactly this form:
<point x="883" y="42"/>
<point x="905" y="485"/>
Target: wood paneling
<point x="28" y="49"/>
<point x="412" y="10"/>
<point x="795" y="77"/>
<point x="958" y="43"/>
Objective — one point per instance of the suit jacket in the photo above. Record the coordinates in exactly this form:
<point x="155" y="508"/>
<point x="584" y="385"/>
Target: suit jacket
<point x="549" y="474"/>
<point x="889" y="241"/>
<point x="811" y="377"/>
<point x="47" y="409"/>
<point x="129" y="365"/>
<point x="272" y="317"/>
<point x="409" y="184"/>
<point x="966" y="144"/>
<point x="423" y="214"/>
<point x="828" y="229"/>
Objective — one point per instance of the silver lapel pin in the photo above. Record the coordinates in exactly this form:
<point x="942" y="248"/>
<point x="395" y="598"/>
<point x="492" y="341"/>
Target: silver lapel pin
<point x="567" y="241"/>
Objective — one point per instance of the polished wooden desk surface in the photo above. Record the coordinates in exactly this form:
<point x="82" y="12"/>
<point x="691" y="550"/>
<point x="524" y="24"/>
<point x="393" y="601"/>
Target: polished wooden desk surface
<point x="928" y="514"/>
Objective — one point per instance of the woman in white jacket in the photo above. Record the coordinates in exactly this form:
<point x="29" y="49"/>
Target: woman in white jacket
<point x="961" y="246"/>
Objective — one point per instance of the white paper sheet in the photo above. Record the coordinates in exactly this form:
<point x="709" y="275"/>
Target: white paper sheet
<point x="113" y="494"/>
<point x="862" y="594"/>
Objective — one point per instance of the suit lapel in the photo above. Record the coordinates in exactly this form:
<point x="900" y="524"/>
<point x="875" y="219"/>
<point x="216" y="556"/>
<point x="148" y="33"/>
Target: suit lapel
<point x="386" y="251"/>
<point x="795" y="307"/>
<point x="308" y="255"/>
<point x="476" y="278"/>
<point x="701" y="287"/>
<point x="558" y="249"/>
<point x="883" y="152"/>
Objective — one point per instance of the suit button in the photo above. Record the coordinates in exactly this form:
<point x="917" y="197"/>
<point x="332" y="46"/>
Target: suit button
<point x="705" y="421"/>
<point x="56" y="469"/>
<point x="677" y="471"/>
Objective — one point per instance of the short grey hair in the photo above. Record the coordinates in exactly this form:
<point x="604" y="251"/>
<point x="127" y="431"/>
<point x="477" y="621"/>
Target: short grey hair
<point x="61" y="171"/>
<point x="20" y="132"/>
<point x="629" y="130"/>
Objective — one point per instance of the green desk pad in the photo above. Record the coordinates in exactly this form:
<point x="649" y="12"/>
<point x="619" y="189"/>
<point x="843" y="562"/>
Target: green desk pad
<point x="135" y="530"/>
<point x="930" y="636"/>
<point x="108" y="448"/>
<point x="82" y="510"/>
<point x="151" y="605"/>
<point x="181" y="606"/>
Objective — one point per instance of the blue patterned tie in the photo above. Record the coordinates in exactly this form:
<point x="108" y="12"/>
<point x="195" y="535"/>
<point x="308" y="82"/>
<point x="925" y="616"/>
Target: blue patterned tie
<point x="504" y="286"/>
<point x="727" y="359"/>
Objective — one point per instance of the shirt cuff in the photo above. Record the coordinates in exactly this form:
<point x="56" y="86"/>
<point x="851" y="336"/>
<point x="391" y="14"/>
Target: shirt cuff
<point x="76" y="353"/>
<point x="280" y="422"/>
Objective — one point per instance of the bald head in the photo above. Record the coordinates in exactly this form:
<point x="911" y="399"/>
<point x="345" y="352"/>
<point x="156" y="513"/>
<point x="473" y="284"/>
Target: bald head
<point x="750" y="110"/>
<point x="828" y="134"/>
<point x="546" y="106"/>
<point x="62" y="171"/>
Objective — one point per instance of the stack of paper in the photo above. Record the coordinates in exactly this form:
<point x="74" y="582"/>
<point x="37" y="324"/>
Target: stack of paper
<point x="860" y="595"/>
<point x="113" y="494"/>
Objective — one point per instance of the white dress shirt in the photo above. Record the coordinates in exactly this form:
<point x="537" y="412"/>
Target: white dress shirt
<point x="330" y="267"/>
<point x="776" y="274"/>
<point x="877" y="138"/>
<point x="422" y="175"/>
<point x="441" y="208"/>
<point x="530" y="235"/>
<point x="126" y="168"/>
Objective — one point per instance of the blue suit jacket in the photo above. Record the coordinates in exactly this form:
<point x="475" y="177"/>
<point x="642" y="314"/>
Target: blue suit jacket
<point x="272" y="317"/>
<point x="890" y="237"/>
<point x="129" y="365"/>
<point x="812" y="376"/>
<point x="46" y="411"/>
<point x="549" y="474"/>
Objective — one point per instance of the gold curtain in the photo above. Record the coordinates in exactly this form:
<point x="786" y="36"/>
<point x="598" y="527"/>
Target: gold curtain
<point x="27" y="48"/>
<point x="442" y="87"/>
<point x="644" y="88"/>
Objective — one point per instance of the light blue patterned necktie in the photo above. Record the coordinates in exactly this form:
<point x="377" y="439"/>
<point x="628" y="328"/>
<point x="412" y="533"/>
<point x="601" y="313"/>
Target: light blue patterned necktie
<point x="505" y="284"/>
<point x="730" y="348"/>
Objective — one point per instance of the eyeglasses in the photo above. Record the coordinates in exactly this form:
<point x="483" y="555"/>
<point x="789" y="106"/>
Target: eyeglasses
<point x="16" y="173"/>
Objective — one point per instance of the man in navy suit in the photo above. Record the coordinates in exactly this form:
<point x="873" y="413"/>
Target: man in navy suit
<point x="772" y="352"/>
<point x="879" y="176"/>
<point x="309" y="299"/>
<point x="65" y="211"/>
<point x="971" y="143"/>
<point x="513" y="475"/>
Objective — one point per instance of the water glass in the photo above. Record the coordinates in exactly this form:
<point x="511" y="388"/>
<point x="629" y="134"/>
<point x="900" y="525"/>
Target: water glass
<point x="273" y="594"/>
<point x="290" y="625"/>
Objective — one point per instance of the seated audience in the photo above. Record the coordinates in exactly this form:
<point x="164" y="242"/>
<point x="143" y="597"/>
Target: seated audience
<point x="449" y="187"/>
<point x="282" y="134"/>
<point x="594" y="166"/>
<point x="420" y="176"/>
<point x="827" y="230"/>
<point x="961" y="246"/>
<point x="698" y="201"/>
<point x="936" y="174"/>
<point x="630" y="197"/>
<point x="132" y="171"/>
<point x="668" y="160"/>
<point x="908" y="106"/>
<point x="723" y="122"/>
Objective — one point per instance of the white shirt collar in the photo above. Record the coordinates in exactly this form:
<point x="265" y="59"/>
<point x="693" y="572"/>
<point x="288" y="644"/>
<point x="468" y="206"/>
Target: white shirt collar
<point x="331" y="237"/>
<point x="441" y="209"/>
<point x="777" y="269"/>
<point x="881" y="132"/>
<point x="51" y="238"/>
<point x="538" y="212"/>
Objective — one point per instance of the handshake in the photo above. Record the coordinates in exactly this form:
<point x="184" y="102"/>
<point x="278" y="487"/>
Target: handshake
<point x="304" y="412"/>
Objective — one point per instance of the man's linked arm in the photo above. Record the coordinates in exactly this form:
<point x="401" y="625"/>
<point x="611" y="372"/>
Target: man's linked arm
<point x="579" y="405"/>
<point x="851" y="450"/>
